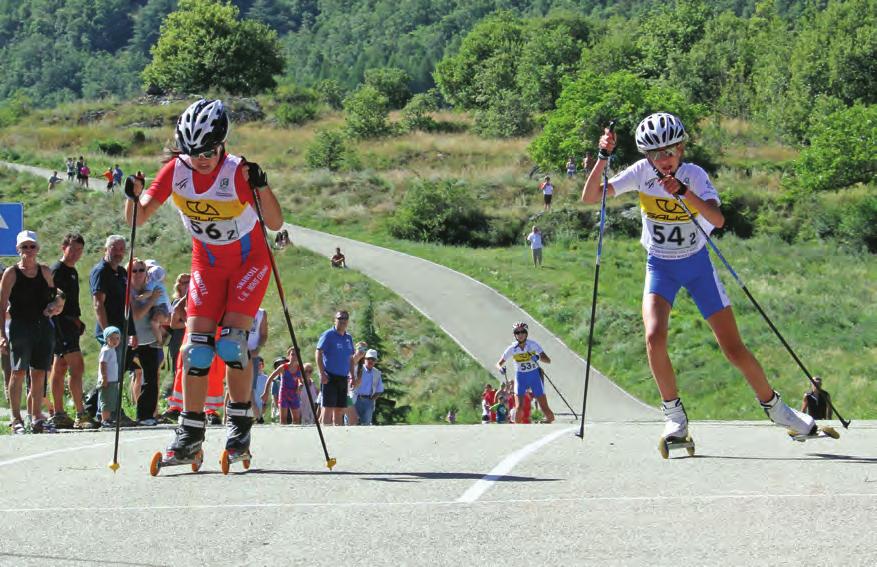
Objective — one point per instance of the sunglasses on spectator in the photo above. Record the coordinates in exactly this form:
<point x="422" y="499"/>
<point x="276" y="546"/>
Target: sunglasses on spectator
<point x="135" y="270"/>
<point x="663" y="152"/>
<point x="28" y="246"/>
<point x="208" y="154"/>
<point x="342" y="318"/>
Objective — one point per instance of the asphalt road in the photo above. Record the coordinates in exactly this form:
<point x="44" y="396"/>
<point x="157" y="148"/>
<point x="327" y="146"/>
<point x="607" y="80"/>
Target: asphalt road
<point x="447" y="495"/>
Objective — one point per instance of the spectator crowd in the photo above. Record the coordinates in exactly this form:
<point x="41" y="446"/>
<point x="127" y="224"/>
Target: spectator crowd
<point x="40" y="344"/>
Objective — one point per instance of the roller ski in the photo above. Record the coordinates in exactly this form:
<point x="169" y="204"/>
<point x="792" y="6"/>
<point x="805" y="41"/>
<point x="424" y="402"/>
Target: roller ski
<point x="675" y="435"/>
<point x="237" y="445"/>
<point x="820" y="432"/>
<point x="799" y="426"/>
<point x="186" y="446"/>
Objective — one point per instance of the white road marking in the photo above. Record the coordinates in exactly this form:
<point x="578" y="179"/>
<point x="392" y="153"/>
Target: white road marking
<point x="506" y="465"/>
<point x="71" y="449"/>
<point x="682" y="499"/>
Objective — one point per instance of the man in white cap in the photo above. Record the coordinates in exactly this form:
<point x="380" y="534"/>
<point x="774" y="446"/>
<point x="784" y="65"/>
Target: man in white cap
<point x="369" y="386"/>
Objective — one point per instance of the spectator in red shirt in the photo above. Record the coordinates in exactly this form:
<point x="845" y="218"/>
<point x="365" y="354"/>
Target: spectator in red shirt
<point x="488" y="398"/>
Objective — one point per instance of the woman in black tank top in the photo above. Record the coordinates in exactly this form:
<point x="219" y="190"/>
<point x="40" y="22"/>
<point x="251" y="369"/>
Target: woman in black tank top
<point x="27" y="289"/>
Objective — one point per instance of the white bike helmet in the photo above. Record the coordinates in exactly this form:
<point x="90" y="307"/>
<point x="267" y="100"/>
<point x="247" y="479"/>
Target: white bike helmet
<point x="519" y="326"/>
<point x="659" y="130"/>
<point x="202" y="127"/>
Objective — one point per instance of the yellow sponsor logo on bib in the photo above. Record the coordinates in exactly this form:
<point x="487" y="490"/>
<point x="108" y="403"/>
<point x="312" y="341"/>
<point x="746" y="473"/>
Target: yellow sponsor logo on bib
<point x="208" y="209"/>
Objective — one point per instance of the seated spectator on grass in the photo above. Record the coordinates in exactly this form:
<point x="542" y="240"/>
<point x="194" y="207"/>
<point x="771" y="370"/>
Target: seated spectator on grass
<point x="54" y="180"/>
<point x="281" y="239"/>
<point x="338" y="260"/>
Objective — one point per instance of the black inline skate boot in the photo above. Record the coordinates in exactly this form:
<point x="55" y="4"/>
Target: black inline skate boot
<point x="185" y="449"/>
<point x="237" y="444"/>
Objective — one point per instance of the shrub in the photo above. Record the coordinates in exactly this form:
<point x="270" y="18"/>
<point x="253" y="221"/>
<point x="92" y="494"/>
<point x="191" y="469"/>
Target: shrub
<point x="110" y="147"/>
<point x="295" y="114"/>
<point x="438" y="211"/>
<point x="392" y="83"/>
<point x="138" y="137"/>
<point x="329" y="150"/>
<point x="843" y="150"/>
<point x="740" y="209"/>
<point x="331" y="92"/>
<point x="851" y="217"/>
<point x="505" y="117"/>
<point x="366" y="111"/>
<point x="416" y="114"/>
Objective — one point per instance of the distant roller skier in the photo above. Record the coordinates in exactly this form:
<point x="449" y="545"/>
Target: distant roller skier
<point x="526" y="354"/>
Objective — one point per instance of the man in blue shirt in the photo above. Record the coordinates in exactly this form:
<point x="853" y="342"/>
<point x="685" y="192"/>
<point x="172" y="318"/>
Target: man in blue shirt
<point x="369" y="386"/>
<point x="335" y="363"/>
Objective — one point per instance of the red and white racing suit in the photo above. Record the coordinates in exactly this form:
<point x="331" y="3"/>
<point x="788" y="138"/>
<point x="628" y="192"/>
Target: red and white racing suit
<point x="230" y="265"/>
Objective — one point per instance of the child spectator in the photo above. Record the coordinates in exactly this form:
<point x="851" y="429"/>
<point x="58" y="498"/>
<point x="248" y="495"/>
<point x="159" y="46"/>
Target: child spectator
<point x="108" y="376"/>
<point x="84" y="172"/>
<point x="500" y="408"/>
<point x="547" y="193"/>
<point x="160" y="312"/>
<point x="71" y="169"/>
<point x="108" y="175"/>
<point x="259" y="384"/>
<point x="571" y="167"/>
<point x="117" y="175"/>
<point x="488" y="398"/>
<point x="286" y="370"/>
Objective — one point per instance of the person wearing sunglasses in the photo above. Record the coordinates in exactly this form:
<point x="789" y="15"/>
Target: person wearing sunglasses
<point x="215" y="194"/>
<point x="526" y="354"/>
<point x="27" y="289"/>
<point x="677" y="257"/>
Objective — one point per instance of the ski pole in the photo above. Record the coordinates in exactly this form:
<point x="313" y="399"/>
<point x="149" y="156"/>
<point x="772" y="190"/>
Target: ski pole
<point x="330" y="461"/>
<point x="581" y="433"/>
<point x="844" y="422"/>
<point x="545" y="375"/>
<point x="129" y="189"/>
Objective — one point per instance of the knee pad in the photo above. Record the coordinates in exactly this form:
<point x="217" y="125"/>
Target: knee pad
<point x="232" y="348"/>
<point x="197" y="354"/>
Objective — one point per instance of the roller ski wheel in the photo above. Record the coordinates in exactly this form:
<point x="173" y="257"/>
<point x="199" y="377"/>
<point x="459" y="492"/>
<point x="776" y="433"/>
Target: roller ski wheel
<point x="228" y="458"/>
<point x="819" y="432"/>
<point x="667" y="444"/>
<point x="159" y="461"/>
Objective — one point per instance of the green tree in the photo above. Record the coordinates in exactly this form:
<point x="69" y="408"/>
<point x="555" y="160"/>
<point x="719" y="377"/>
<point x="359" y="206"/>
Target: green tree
<point x="507" y="116"/>
<point x="842" y="151"/>
<point x="486" y="63"/>
<point x="331" y="92"/>
<point x="588" y="104"/>
<point x="667" y="33"/>
<point x="366" y="111"/>
<point x="392" y="83"/>
<point x="203" y="45"/>
<point x="438" y="211"/>
<point x="387" y="411"/>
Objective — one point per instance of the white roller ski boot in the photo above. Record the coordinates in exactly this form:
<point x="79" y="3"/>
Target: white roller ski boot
<point x="185" y="449"/>
<point x="237" y="444"/>
<point x="800" y="426"/>
<point x="675" y="434"/>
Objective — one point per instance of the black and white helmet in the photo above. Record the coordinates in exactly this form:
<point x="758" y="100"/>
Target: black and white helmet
<point x="202" y="127"/>
<point x="659" y="130"/>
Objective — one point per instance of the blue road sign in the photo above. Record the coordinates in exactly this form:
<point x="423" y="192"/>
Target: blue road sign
<point x="11" y="223"/>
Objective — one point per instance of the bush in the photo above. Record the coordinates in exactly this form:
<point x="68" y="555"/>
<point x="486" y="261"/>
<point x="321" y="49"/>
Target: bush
<point x="138" y="137"/>
<point x="850" y="217"/>
<point x="331" y="92"/>
<point x="366" y="111"/>
<point x="415" y="115"/>
<point x="392" y="83"/>
<point x="843" y="150"/>
<point x="295" y="114"/>
<point x="740" y="209"/>
<point x="439" y="211"/>
<point x="505" y="117"/>
<point x="329" y="150"/>
<point x="110" y="147"/>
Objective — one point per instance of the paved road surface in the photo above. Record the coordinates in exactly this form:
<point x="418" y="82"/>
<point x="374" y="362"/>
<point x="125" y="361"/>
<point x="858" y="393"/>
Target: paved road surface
<point x="447" y="495"/>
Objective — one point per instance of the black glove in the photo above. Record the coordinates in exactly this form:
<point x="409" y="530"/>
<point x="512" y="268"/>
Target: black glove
<point x="603" y="154"/>
<point x="129" y="186"/>
<point x="258" y="178"/>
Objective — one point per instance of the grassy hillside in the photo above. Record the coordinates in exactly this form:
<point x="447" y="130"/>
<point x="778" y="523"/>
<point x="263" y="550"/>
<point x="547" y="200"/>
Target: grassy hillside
<point x="431" y="370"/>
<point x="816" y="290"/>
